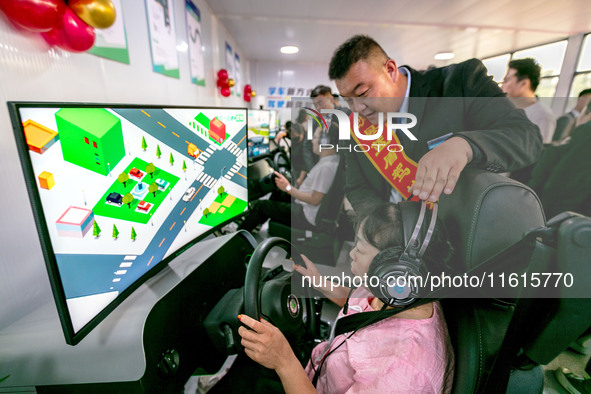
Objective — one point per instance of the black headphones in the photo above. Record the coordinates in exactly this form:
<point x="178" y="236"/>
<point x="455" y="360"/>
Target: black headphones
<point x="393" y="273"/>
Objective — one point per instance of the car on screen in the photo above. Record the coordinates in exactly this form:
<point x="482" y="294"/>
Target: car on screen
<point x="188" y="194"/>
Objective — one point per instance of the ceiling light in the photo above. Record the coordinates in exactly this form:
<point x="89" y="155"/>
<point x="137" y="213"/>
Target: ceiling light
<point x="444" y="56"/>
<point x="290" y="49"/>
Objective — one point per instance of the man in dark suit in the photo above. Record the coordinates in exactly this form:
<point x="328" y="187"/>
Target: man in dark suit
<point x="567" y="122"/>
<point x="482" y="128"/>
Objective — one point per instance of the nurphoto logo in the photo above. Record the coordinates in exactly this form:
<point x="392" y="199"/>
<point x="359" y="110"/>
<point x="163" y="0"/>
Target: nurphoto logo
<point x="394" y="121"/>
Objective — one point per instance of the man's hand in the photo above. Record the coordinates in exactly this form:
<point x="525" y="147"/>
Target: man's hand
<point x="265" y="344"/>
<point x="440" y="169"/>
<point x="281" y="181"/>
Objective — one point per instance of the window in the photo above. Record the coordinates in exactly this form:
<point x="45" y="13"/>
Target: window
<point x="550" y="57"/>
<point x="86" y="139"/>
<point x="94" y="143"/>
<point x="582" y="79"/>
<point x="585" y="56"/>
<point x="497" y="66"/>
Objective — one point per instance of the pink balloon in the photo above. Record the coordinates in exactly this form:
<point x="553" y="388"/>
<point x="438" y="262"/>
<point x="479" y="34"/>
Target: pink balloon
<point x="225" y="92"/>
<point x="34" y="15"/>
<point x="72" y="35"/>
<point x="79" y="36"/>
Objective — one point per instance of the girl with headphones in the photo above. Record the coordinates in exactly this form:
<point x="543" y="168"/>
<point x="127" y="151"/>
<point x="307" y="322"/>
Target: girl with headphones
<point x="406" y="352"/>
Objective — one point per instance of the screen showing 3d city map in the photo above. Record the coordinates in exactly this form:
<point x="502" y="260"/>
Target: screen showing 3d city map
<point x="123" y="188"/>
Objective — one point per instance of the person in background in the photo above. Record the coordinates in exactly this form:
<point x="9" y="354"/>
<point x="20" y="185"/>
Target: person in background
<point x="301" y="212"/>
<point x="323" y="98"/>
<point x="562" y="176"/>
<point x="520" y="84"/>
<point x="299" y="167"/>
<point x="302" y="156"/>
<point x="567" y="122"/>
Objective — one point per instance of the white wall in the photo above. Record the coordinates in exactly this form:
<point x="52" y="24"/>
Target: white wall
<point x="288" y="74"/>
<point x="31" y="71"/>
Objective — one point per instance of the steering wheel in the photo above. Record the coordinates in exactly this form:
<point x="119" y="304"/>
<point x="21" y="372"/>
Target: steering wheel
<point x="274" y="300"/>
<point x="282" y="164"/>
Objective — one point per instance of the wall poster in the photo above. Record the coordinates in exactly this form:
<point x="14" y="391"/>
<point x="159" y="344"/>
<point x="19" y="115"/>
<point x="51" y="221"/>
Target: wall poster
<point x="165" y="58"/>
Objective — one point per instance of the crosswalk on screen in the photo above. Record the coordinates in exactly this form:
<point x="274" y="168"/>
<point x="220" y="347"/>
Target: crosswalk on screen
<point x="118" y="190"/>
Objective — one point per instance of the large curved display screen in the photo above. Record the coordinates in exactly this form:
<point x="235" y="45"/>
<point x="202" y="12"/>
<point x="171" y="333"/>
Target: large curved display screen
<point x="119" y="190"/>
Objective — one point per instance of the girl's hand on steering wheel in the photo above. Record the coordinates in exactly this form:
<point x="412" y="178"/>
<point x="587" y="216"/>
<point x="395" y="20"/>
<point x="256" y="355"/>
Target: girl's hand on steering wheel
<point x="265" y="344"/>
<point x="309" y="270"/>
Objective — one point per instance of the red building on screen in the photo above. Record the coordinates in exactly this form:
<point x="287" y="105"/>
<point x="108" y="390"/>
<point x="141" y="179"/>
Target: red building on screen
<point x="217" y="130"/>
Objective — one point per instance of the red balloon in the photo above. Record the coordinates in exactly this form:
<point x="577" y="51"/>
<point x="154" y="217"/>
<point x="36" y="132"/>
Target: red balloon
<point x="34" y="15"/>
<point x="73" y="35"/>
<point x="225" y="92"/>
<point x="55" y="37"/>
<point x="247" y="98"/>
<point x="223" y="83"/>
<point x="223" y="74"/>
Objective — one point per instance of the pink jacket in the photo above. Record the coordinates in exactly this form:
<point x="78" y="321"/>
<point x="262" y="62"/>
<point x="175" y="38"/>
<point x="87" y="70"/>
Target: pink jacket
<point x="395" y="355"/>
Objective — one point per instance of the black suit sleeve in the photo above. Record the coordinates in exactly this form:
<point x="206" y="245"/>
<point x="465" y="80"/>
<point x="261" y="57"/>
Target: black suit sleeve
<point x="358" y="186"/>
<point x="506" y="138"/>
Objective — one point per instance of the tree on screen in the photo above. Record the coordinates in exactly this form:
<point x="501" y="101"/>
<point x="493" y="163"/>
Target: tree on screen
<point x="96" y="230"/>
<point x="123" y="178"/>
<point x="115" y="232"/>
<point x="221" y="191"/>
<point x="171" y="160"/>
<point x="127" y="199"/>
<point x="184" y="166"/>
<point x="133" y="234"/>
<point x="144" y="144"/>
<point x="153" y="188"/>
<point x="206" y="212"/>
<point x="158" y="151"/>
<point x="150" y="168"/>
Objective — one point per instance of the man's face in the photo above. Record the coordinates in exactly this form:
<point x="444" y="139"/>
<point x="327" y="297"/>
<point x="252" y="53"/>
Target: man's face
<point x="512" y="86"/>
<point x="371" y="87"/>
<point x="323" y="101"/>
<point x="582" y="102"/>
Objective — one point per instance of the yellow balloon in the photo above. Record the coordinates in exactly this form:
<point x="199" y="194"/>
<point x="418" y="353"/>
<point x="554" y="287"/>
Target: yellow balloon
<point x="253" y="93"/>
<point x="97" y="13"/>
<point x="230" y="82"/>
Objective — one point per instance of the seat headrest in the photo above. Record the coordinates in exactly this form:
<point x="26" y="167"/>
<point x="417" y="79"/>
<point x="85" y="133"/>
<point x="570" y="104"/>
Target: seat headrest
<point x="487" y="213"/>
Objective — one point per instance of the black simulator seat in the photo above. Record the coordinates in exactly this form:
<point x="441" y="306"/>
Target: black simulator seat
<point x="497" y="224"/>
<point x="323" y="244"/>
<point x="485" y="214"/>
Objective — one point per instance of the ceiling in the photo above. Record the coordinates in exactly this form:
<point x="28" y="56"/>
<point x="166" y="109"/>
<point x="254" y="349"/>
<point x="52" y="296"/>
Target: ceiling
<point x="411" y="31"/>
